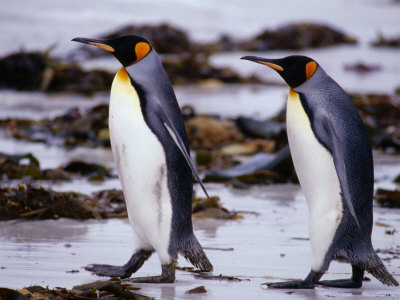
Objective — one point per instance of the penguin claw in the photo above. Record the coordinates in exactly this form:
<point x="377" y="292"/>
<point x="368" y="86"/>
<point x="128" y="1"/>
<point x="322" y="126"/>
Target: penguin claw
<point x="295" y="284"/>
<point x="107" y="270"/>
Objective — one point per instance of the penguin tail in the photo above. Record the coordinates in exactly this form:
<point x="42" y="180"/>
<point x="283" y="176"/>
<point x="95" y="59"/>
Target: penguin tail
<point x="194" y="253"/>
<point x="376" y="268"/>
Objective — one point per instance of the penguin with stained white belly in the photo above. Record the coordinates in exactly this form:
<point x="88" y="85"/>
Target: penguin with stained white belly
<point x="151" y="152"/>
<point x="333" y="161"/>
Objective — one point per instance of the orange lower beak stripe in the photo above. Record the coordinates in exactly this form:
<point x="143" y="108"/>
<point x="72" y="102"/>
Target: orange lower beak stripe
<point x="271" y="65"/>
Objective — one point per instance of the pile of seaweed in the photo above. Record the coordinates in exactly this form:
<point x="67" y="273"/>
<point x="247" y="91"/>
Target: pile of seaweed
<point x="20" y="166"/>
<point x="26" y="201"/>
<point x="110" y="289"/>
<point x="383" y="41"/>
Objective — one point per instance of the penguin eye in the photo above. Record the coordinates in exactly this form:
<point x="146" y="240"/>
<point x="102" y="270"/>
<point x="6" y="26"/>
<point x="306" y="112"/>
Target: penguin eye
<point x="141" y="50"/>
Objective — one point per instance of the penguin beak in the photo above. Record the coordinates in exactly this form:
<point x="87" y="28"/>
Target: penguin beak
<point x="265" y="61"/>
<point x="95" y="42"/>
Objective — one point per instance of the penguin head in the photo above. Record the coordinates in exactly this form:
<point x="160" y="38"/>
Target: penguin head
<point x="128" y="49"/>
<point x="294" y="69"/>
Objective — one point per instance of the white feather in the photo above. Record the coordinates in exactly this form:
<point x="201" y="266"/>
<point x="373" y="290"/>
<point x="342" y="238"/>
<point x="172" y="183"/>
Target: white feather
<point x="318" y="179"/>
<point x="141" y="166"/>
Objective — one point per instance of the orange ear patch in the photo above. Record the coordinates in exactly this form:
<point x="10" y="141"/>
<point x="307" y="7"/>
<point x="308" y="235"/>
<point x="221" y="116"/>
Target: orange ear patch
<point x="311" y="67"/>
<point x="141" y="50"/>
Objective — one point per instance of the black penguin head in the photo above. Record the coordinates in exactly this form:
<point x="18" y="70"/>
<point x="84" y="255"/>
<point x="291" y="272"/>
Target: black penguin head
<point x="128" y="49"/>
<point x="294" y="69"/>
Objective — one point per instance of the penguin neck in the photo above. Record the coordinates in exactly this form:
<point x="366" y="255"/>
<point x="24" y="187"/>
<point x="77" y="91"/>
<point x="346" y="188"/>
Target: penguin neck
<point x="316" y="81"/>
<point x="148" y="72"/>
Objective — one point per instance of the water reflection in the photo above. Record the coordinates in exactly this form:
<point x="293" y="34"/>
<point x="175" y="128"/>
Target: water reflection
<point x="42" y="231"/>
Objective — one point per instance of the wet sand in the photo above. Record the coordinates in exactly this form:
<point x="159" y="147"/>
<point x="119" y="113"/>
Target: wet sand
<point x="269" y="244"/>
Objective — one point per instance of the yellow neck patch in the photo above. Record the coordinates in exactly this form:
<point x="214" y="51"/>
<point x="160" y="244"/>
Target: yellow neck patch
<point x="292" y="93"/>
<point x="311" y="67"/>
<point x="141" y="50"/>
<point x="122" y="75"/>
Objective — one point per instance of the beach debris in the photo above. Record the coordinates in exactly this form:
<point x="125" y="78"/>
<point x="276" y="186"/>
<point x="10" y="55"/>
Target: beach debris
<point x="207" y="132"/>
<point x="19" y="166"/>
<point x="90" y="170"/>
<point x="381" y="116"/>
<point x="362" y="68"/>
<point x="37" y="203"/>
<point x="397" y="179"/>
<point x="219" y="277"/>
<point x="388" y="198"/>
<point x="110" y="203"/>
<point x="203" y="207"/>
<point x="197" y="290"/>
<point x="260" y="168"/>
<point x="28" y="202"/>
<point x="107" y="290"/>
<point x="383" y="41"/>
<point x="9" y="294"/>
<point x="192" y="68"/>
<point x="40" y="72"/>
<point x="267" y="129"/>
<point x="203" y="275"/>
<point x="293" y="36"/>
<point x="73" y="128"/>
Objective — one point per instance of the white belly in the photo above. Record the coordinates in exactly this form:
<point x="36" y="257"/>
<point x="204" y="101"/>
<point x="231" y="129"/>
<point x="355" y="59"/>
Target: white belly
<point x="318" y="179"/>
<point x="141" y="166"/>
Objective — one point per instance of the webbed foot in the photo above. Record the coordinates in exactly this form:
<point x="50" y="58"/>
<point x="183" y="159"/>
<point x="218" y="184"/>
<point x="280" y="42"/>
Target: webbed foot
<point x="295" y="284"/>
<point x="167" y="276"/>
<point x="341" y="283"/>
<point x="308" y="283"/>
<point x="108" y="270"/>
<point x="354" y="282"/>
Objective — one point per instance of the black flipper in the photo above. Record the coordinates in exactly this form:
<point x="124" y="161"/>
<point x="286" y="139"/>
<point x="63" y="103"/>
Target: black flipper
<point x="338" y="154"/>
<point x="135" y="263"/>
<point x="178" y="141"/>
<point x="308" y="283"/>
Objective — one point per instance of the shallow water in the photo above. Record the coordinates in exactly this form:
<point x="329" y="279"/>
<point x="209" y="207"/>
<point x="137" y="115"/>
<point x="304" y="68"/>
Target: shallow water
<point x="269" y="246"/>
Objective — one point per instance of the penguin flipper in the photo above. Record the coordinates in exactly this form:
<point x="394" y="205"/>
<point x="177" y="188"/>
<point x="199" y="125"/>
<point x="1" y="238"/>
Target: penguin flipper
<point x="338" y="153"/>
<point x="179" y="143"/>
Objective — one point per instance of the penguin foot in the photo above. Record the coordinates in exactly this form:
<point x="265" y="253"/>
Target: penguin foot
<point x="354" y="282"/>
<point x="341" y="283"/>
<point x="295" y="284"/>
<point x="308" y="283"/>
<point x="108" y="270"/>
<point x="135" y="262"/>
<point x="167" y="276"/>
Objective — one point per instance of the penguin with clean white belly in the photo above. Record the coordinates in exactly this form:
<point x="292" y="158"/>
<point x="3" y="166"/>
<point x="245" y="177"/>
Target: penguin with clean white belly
<point x="333" y="161"/>
<point x="151" y="153"/>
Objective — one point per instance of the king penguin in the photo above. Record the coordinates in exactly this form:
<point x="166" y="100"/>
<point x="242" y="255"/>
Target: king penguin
<point x="333" y="160"/>
<point x="151" y="152"/>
